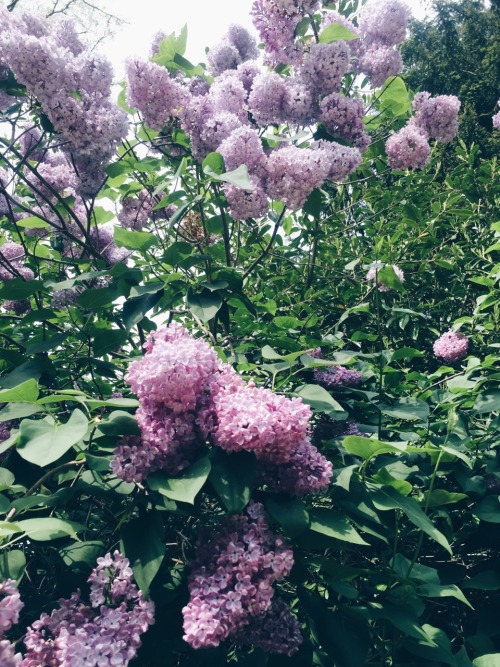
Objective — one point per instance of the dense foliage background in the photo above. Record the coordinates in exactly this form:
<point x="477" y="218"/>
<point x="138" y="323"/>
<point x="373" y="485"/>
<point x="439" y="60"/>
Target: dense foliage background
<point x="396" y="563"/>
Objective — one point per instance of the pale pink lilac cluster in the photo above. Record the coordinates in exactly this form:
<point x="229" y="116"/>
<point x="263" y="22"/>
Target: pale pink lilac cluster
<point x="496" y="118"/>
<point x="187" y="397"/>
<point x="73" y="87"/>
<point x="107" y="632"/>
<point x="236" y="47"/>
<point x="277" y="631"/>
<point x="170" y="382"/>
<point x="136" y="210"/>
<point x="337" y="377"/>
<point x="451" y="346"/>
<point x="382" y="26"/>
<point x="232" y="577"/>
<point x="435" y="118"/>
<point x="372" y="275"/>
<point x="282" y="168"/>
<point x="342" y="117"/>
<point x="10" y="607"/>
<point x="12" y="266"/>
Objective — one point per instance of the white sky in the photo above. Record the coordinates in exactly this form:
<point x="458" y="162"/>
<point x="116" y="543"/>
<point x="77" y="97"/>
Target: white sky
<point x="207" y="21"/>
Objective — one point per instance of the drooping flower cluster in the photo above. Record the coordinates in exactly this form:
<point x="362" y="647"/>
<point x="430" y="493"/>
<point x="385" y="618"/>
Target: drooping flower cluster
<point x="236" y="47"/>
<point x="496" y="118"/>
<point x="11" y="266"/>
<point x="231" y="583"/>
<point x="337" y="377"/>
<point x="275" y="631"/>
<point x="451" y="346"/>
<point x="372" y="275"/>
<point x="435" y="118"/>
<point x="73" y="87"/>
<point x="10" y="606"/>
<point x="106" y="633"/>
<point x="188" y="397"/>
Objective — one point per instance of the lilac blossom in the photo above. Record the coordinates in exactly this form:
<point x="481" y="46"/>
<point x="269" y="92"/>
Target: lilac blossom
<point x="105" y="633"/>
<point x="18" y="307"/>
<point x="337" y="377"/>
<point x="378" y="62"/>
<point x="154" y="92"/>
<point x="30" y="142"/>
<point x="298" y="104"/>
<point x="451" y="346"/>
<point x="384" y="21"/>
<point x="276" y="28"/>
<point x="438" y="116"/>
<point x="243" y="146"/>
<point x="325" y="65"/>
<point x="496" y="118"/>
<point x="342" y="117"/>
<point x="307" y="471"/>
<point x="245" y="204"/>
<point x="136" y="210"/>
<point x="275" y="631"/>
<point x="10" y="605"/>
<point x="342" y="160"/>
<point x="282" y="167"/>
<point x="228" y="94"/>
<point x="408" y="148"/>
<point x="65" y="297"/>
<point x="232" y="575"/>
<point x="267" y="98"/>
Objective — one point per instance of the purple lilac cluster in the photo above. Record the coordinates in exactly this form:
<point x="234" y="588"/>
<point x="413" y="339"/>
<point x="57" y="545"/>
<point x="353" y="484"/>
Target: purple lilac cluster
<point x="170" y="382"/>
<point x="11" y="266"/>
<point x="10" y="607"/>
<point x="382" y="26"/>
<point x="275" y="631"/>
<point x="435" y="118"/>
<point x="496" y="118"/>
<point x="451" y="346"/>
<point x="105" y="632"/>
<point x="65" y="297"/>
<point x="73" y="87"/>
<point x="236" y="47"/>
<point x="231" y="582"/>
<point x="187" y="397"/>
<point x="337" y="377"/>
<point x="372" y="275"/>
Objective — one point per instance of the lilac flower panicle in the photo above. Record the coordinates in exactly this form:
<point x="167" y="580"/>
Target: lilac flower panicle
<point x="451" y="346"/>
<point x="438" y="116"/>
<point x="276" y="28"/>
<point x="298" y="103"/>
<point x="496" y="118"/>
<point x="342" y="160"/>
<point x="106" y="633"/>
<point x="384" y="21"/>
<point x="246" y="204"/>
<point x="267" y="98"/>
<point x="408" y="148"/>
<point x="221" y="57"/>
<point x="243" y="146"/>
<point x="10" y="605"/>
<point x="325" y="65"/>
<point x="232" y="575"/>
<point x="378" y="62"/>
<point x="243" y="41"/>
<point x="337" y="376"/>
<point x="342" y="117"/>
<point x="154" y="92"/>
<point x="282" y="167"/>
<point x="275" y="631"/>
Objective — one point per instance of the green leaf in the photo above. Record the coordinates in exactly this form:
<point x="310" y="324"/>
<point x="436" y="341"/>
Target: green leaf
<point x="232" y="476"/>
<point x="335" y="32"/>
<point x="366" y="448"/>
<point x="82" y="554"/>
<point x="18" y="289"/>
<point x="488" y="509"/>
<point x="388" y="498"/>
<point x="108" y="340"/>
<point x="488" y="660"/>
<point x="406" y="353"/>
<point x="27" y="392"/>
<point x="489" y="580"/>
<point x="387" y="276"/>
<point x="327" y="522"/>
<point x="408" y="408"/>
<point x="440" y="497"/>
<point x="97" y="298"/>
<point x="134" y="310"/>
<point x="144" y="545"/>
<point x="49" y="528"/>
<point x="43" y="442"/>
<point x="488" y="401"/>
<point x="437" y="591"/>
<point x="292" y="515"/>
<point x="318" y="398"/>
<point x="205" y="305"/>
<point x="12" y="565"/>
<point x="119" y="423"/>
<point x="215" y="162"/>
<point x="132" y="240"/>
<point x="186" y="486"/>
<point x="32" y="222"/>
<point x="394" y="96"/>
<point x="238" y="177"/>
